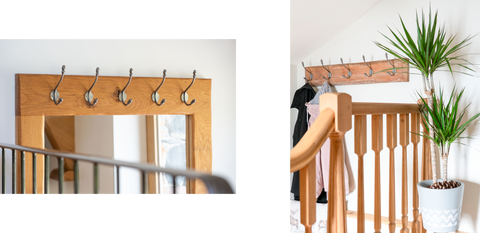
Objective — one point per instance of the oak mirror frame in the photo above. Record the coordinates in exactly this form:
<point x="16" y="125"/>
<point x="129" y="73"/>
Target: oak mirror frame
<point x="33" y="103"/>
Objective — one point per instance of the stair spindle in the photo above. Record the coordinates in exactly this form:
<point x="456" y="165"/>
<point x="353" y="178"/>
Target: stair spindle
<point x="360" y="150"/>
<point x="404" y="143"/>
<point x="377" y="146"/>
<point x="392" y="144"/>
<point x="415" y="128"/>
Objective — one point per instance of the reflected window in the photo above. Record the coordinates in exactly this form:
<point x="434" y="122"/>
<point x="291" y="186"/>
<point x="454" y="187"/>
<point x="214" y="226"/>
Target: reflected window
<point x="172" y="151"/>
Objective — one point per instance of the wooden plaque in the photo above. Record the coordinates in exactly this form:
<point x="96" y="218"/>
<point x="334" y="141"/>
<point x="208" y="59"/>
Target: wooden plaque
<point x="33" y="103"/>
<point x="358" y="71"/>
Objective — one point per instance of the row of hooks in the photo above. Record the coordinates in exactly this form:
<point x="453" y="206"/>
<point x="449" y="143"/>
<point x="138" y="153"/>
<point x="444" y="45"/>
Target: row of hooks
<point x="122" y="96"/>
<point x="370" y="73"/>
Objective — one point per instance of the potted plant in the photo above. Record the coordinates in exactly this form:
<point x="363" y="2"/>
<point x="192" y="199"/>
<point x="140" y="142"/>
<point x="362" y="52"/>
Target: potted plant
<point x="431" y="51"/>
<point x="441" y="202"/>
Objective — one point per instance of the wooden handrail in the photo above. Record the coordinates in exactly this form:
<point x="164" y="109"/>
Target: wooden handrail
<point x="360" y="108"/>
<point x="312" y="140"/>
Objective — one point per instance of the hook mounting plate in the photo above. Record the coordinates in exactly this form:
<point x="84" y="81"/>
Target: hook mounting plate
<point x="57" y="95"/>
<point x="88" y="96"/>
<point x="155" y="97"/>
<point x="183" y="96"/>
<point x="122" y="96"/>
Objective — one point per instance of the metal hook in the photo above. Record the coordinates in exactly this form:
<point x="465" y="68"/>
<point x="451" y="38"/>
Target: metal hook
<point x="184" y="95"/>
<point x="371" y="71"/>
<point x="89" y="94"/>
<point x="155" y="95"/>
<point x="329" y="74"/>
<point x="349" y="72"/>
<point x="123" y="96"/>
<point x="54" y="95"/>
<point x="311" y="75"/>
<point x="394" y="70"/>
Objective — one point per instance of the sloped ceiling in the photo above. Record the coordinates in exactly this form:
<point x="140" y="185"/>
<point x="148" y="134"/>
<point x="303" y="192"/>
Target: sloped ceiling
<point x="315" y="22"/>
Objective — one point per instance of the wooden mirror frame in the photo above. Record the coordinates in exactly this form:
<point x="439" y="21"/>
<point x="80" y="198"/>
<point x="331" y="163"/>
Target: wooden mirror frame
<point x="33" y="103"/>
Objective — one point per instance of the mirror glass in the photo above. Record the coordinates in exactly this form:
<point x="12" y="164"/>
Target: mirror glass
<point x="122" y="137"/>
<point x="172" y="150"/>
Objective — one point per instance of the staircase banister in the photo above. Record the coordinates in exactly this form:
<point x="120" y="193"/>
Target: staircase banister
<point x="361" y="108"/>
<point x="312" y="140"/>
<point x="214" y="184"/>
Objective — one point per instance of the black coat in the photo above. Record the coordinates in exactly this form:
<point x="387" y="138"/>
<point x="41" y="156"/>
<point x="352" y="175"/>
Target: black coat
<point x="302" y="96"/>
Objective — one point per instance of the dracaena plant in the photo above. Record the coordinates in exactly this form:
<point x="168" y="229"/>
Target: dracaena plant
<point x="430" y="51"/>
<point x="446" y="125"/>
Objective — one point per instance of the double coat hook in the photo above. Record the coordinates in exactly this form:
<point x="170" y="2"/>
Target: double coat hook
<point x="394" y="70"/>
<point x="371" y="71"/>
<point x="349" y="72"/>
<point x="123" y="96"/>
<point x="54" y="95"/>
<point x="311" y="75"/>
<point x="184" y="95"/>
<point x="329" y="73"/>
<point x="89" y="94"/>
<point x="155" y="95"/>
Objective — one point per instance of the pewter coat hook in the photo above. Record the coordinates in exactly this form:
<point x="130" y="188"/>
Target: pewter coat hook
<point x="89" y="94"/>
<point x="311" y="75"/>
<point x="155" y="95"/>
<point x="123" y="96"/>
<point x="54" y="95"/>
<point x="329" y="74"/>
<point x="349" y="72"/>
<point x="184" y="95"/>
<point x="371" y="71"/>
<point x="394" y="70"/>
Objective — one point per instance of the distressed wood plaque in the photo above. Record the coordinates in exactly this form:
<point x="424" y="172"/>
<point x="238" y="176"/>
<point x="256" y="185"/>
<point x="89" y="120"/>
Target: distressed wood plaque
<point x="358" y="73"/>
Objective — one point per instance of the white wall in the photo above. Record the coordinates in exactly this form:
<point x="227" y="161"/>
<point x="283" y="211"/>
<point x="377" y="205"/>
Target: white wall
<point x="94" y="135"/>
<point x="461" y="18"/>
<point x="213" y="59"/>
<point x="130" y="138"/>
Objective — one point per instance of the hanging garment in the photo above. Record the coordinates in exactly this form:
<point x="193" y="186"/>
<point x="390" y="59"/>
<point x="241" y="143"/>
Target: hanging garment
<point x="323" y="156"/>
<point x="325" y="88"/>
<point x="302" y="96"/>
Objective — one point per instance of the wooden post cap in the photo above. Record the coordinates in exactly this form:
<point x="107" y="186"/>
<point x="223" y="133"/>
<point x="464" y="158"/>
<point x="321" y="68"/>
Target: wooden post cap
<point x="341" y="104"/>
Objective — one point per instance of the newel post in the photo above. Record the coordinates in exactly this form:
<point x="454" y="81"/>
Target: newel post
<point x="341" y="103"/>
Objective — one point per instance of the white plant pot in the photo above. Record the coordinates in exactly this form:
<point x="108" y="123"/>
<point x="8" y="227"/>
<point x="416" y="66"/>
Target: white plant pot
<point x="440" y="208"/>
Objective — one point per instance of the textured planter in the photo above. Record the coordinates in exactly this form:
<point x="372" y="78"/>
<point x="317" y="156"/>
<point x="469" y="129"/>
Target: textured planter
<point x="440" y="208"/>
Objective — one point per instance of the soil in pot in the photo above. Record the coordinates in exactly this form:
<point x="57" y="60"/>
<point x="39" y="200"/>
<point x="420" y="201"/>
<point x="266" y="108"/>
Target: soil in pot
<point x="445" y="185"/>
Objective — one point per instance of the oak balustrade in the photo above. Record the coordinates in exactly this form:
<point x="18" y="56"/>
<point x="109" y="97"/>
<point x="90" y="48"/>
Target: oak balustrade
<point x="336" y="114"/>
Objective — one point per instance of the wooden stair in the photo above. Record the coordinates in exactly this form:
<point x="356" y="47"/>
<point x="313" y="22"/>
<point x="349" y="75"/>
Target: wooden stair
<point x="60" y="131"/>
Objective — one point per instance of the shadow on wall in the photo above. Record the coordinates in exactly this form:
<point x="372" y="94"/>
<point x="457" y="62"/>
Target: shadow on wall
<point x="470" y="202"/>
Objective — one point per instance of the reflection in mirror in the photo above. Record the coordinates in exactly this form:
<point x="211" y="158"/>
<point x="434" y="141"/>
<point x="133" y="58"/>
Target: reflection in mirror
<point x="172" y="151"/>
<point x="117" y="137"/>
